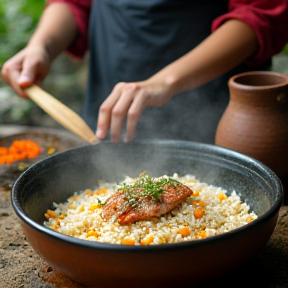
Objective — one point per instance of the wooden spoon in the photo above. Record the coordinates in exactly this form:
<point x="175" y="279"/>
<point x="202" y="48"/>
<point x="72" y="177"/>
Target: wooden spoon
<point x="61" y="113"/>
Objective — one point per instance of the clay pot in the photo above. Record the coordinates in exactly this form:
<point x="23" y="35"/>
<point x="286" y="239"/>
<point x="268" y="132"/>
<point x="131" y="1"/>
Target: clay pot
<point x="255" y="122"/>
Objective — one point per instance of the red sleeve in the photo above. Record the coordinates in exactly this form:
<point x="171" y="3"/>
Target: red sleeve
<point x="81" y="12"/>
<point x="268" y="19"/>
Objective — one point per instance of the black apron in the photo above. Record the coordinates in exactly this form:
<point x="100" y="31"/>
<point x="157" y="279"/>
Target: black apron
<point x="130" y="40"/>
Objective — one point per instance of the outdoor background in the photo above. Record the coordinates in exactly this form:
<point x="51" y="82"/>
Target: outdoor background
<point x="66" y="81"/>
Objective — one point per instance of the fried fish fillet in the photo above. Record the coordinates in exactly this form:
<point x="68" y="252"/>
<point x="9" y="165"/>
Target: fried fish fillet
<point x="146" y="199"/>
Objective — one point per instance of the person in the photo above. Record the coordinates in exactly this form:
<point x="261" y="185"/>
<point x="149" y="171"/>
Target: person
<point x="157" y="68"/>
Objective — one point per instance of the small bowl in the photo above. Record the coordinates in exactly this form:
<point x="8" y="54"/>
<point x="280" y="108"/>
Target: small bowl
<point x="47" y="139"/>
<point x="109" y="265"/>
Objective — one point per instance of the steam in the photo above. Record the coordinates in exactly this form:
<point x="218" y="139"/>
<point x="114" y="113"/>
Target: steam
<point x="191" y="116"/>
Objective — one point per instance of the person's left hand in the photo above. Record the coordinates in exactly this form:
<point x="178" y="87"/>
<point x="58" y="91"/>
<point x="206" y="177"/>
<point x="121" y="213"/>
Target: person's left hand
<point x="128" y="100"/>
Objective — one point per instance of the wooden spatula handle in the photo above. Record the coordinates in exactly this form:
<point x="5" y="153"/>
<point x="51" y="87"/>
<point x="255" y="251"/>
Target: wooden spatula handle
<point x="61" y="113"/>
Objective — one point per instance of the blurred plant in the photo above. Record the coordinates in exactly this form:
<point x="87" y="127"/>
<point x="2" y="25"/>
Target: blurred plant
<point x="13" y="108"/>
<point x="285" y="50"/>
<point x="18" y="19"/>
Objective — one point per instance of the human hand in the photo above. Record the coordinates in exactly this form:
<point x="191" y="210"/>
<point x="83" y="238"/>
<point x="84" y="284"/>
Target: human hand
<point x="128" y="100"/>
<point x="30" y="65"/>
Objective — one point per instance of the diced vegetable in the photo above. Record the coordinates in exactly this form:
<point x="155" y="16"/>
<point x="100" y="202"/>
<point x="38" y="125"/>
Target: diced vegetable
<point x="102" y="191"/>
<point x="202" y="234"/>
<point x="249" y="219"/>
<point x="128" y="242"/>
<point x="92" y="233"/>
<point x="147" y="241"/>
<point x="185" y="231"/>
<point x="198" y="213"/>
<point x="196" y="193"/>
<point x="50" y="214"/>
<point x="94" y="206"/>
<point x="19" y="150"/>
<point x="222" y="196"/>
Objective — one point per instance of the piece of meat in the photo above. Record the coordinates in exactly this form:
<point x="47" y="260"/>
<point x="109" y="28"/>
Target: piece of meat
<point x="138" y="203"/>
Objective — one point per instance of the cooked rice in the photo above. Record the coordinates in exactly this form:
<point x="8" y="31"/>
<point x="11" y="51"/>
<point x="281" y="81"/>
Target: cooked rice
<point x="217" y="213"/>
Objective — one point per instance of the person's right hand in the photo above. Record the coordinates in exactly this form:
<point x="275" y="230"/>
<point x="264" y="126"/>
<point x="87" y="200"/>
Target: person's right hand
<point x="27" y="67"/>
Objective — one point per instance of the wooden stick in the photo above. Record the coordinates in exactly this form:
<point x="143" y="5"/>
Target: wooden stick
<point x="61" y="113"/>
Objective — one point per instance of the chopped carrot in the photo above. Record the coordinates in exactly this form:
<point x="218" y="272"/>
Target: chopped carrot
<point x="3" y="151"/>
<point x="81" y="209"/>
<point x="92" y="233"/>
<point x="185" y="231"/>
<point x="73" y="198"/>
<point x="196" y="193"/>
<point x="89" y="192"/>
<point x="9" y="159"/>
<point x="19" y="150"/>
<point x="222" y="196"/>
<point x="101" y="191"/>
<point x="198" y="213"/>
<point x="249" y="219"/>
<point x="50" y="214"/>
<point x="128" y="242"/>
<point x="2" y="160"/>
<point x="147" y="241"/>
<point x="202" y="234"/>
<point x="57" y="222"/>
<point x="12" y="149"/>
<point x="32" y="154"/>
<point x="94" y="206"/>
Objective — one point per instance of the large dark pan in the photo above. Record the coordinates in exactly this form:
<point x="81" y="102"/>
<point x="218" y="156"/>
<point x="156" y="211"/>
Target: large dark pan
<point x="96" y="264"/>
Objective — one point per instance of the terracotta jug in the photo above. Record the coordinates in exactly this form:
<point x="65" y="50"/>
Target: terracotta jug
<point x="255" y="122"/>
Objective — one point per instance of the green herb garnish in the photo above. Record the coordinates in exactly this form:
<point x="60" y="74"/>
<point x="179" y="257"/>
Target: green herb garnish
<point x="99" y="202"/>
<point x="145" y="186"/>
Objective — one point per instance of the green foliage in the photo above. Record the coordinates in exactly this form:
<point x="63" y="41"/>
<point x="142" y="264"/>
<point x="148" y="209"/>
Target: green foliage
<point x="285" y="50"/>
<point x="18" y="19"/>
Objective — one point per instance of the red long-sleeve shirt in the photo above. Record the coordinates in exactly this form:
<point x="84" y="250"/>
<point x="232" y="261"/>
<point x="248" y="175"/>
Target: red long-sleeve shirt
<point x="268" y="19"/>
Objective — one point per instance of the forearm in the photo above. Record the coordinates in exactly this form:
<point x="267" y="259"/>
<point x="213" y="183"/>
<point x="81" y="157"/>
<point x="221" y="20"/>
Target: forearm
<point x="227" y="47"/>
<point x="56" y="30"/>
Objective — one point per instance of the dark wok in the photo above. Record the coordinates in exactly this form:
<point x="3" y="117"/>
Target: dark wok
<point x="96" y="264"/>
